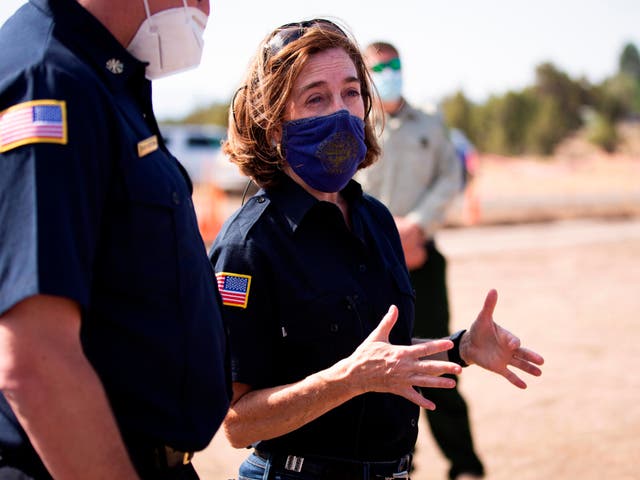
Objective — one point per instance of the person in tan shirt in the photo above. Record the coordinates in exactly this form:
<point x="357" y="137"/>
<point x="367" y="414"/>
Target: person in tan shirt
<point x="417" y="178"/>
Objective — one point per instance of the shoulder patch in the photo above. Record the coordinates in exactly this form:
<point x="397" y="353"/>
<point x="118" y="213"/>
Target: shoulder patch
<point x="36" y="121"/>
<point x="234" y="288"/>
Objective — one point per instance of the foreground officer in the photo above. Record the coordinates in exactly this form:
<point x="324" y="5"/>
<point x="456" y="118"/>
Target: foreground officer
<point x="111" y="344"/>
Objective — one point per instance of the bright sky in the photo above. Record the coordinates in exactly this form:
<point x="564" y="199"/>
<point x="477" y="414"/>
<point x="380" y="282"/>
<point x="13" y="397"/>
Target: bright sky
<point x="483" y="47"/>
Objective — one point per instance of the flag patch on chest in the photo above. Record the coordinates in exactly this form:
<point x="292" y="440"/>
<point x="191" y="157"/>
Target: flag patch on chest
<point x="37" y="121"/>
<point x="234" y="288"/>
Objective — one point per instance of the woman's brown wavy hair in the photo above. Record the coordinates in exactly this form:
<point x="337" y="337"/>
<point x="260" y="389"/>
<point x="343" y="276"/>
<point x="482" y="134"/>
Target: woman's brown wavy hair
<point x="257" y="109"/>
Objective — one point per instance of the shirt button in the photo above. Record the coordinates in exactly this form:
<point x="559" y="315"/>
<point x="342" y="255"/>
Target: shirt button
<point x="176" y="198"/>
<point x="333" y="327"/>
<point x="362" y="267"/>
<point x="413" y="422"/>
<point x="260" y="199"/>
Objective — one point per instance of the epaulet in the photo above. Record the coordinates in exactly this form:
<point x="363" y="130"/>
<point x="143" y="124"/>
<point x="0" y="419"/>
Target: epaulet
<point x="245" y="218"/>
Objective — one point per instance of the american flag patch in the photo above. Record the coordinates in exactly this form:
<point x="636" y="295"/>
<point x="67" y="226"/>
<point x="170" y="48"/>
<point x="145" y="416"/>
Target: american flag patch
<point x="234" y="288"/>
<point x="37" y="121"/>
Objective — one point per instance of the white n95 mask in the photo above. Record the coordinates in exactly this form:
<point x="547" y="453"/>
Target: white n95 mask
<point x="170" y="40"/>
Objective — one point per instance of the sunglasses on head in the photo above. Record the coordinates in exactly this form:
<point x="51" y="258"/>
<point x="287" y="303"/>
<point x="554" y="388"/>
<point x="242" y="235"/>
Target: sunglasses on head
<point x="289" y="32"/>
<point x="393" y="64"/>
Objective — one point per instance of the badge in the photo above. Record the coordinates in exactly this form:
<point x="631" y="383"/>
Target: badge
<point x="148" y="145"/>
<point x="36" y="121"/>
<point x="234" y="288"/>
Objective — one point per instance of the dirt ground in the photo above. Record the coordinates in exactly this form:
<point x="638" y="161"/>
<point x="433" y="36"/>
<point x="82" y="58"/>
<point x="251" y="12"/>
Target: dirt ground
<point x="568" y="278"/>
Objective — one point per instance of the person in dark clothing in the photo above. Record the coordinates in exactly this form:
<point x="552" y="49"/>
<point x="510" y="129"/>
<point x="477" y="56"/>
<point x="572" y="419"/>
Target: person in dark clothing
<point x="315" y="290"/>
<point x="112" y="347"/>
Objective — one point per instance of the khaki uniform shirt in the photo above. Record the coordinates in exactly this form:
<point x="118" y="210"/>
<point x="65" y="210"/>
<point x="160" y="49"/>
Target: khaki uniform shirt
<point x="418" y="174"/>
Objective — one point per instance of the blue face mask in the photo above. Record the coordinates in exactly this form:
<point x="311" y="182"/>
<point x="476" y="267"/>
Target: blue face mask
<point x="389" y="84"/>
<point x="325" y="151"/>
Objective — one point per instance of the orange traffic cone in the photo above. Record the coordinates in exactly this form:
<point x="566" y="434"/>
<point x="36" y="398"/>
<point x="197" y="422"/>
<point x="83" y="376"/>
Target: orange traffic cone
<point x="210" y="203"/>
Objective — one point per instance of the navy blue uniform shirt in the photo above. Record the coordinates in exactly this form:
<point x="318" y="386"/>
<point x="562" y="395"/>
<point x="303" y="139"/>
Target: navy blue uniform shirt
<point x="95" y="209"/>
<point x="301" y="291"/>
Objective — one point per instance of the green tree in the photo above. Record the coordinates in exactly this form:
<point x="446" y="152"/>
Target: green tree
<point x="505" y="120"/>
<point x="601" y="131"/>
<point x="459" y="112"/>
<point x="619" y="97"/>
<point x="570" y="95"/>
<point x="546" y="128"/>
<point x="629" y="62"/>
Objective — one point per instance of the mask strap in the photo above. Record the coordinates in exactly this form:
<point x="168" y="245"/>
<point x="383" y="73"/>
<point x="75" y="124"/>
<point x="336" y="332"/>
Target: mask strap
<point x="186" y="9"/>
<point x="187" y="14"/>
<point x="146" y="9"/>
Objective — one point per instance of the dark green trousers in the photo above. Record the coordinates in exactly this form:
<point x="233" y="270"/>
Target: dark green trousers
<point x="450" y="421"/>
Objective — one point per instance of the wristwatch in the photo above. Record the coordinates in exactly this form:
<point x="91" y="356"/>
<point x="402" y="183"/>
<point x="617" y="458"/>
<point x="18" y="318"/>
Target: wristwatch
<point x="454" y="353"/>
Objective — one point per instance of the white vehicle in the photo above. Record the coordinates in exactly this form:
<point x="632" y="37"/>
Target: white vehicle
<point x="198" y="149"/>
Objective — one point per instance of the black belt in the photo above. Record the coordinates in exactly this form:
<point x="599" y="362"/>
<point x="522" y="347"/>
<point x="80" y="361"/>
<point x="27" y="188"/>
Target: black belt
<point x="336" y="468"/>
<point x="162" y="458"/>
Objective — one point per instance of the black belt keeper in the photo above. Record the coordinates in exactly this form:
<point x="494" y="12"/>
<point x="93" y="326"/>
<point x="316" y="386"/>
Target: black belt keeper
<point x="326" y="468"/>
<point x="171" y="458"/>
<point x="151" y="461"/>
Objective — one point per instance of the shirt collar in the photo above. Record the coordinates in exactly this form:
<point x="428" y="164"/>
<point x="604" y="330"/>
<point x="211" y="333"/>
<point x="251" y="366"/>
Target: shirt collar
<point x="86" y="36"/>
<point x="405" y="112"/>
<point x="294" y="202"/>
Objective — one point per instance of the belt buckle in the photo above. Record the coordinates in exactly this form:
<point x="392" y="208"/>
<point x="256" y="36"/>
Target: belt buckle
<point x="294" y="463"/>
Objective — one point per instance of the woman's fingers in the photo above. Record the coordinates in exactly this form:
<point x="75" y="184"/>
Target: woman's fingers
<point x="414" y="396"/>
<point x="431" y="347"/>
<point x="436" y="368"/>
<point x="486" y="314"/>
<point x="529" y="356"/>
<point x="429" y="381"/>
<point x="382" y="331"/>
<point x="513" y="378"/>
<point x="526" y="367"/>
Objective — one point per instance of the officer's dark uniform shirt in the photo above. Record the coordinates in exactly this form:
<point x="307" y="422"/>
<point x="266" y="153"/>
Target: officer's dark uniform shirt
<point x="92" y="212"/>
<point x="301" y="291"/>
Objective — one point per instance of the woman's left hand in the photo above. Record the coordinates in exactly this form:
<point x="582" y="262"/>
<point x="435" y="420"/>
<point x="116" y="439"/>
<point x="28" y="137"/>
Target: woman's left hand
<point x="494" y="348"/>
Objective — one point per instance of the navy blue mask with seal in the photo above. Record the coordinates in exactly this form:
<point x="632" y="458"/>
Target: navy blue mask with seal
<point x="325" y="151"/>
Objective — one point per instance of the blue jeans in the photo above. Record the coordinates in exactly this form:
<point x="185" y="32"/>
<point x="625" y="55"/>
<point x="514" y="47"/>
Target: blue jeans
<point x="253" y="468"/>
<point x="256" y="468"/>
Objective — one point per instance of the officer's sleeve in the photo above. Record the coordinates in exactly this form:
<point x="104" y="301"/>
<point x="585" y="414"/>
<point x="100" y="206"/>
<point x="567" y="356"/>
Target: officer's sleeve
<point x="53" y="175"/>
<point x="244" y="283"/>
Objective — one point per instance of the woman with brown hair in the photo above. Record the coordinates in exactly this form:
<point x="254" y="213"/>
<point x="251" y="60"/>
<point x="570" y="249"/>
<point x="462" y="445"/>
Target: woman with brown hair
<point x="316" y="293"/>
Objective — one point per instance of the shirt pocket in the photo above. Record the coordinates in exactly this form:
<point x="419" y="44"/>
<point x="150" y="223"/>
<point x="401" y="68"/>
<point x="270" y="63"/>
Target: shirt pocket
<point x="145" y="230"/>
<point x="321" y="331"/>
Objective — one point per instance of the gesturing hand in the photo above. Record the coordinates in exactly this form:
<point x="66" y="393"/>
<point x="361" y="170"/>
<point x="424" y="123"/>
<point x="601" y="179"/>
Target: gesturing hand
<point x="378" y="366"/>
<point x="490" y="346"/>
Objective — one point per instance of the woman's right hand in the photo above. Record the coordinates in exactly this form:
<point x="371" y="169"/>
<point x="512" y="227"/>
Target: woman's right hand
<point x="379" y="366"/>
